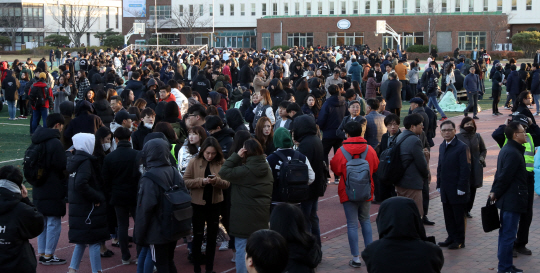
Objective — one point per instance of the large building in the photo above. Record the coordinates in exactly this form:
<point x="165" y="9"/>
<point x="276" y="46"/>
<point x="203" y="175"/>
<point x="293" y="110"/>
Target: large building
<point x="33" y="20"/>
<point x="262" y="24"/>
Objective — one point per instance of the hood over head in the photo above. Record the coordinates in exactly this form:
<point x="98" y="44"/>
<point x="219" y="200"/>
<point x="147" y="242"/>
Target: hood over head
<point x="215" y="96"/>
<point x="151" y="82"/>
<point x="314" y="83"/>
<point x="84" y="142"/>
<point x="43" y="134"/>
<point x="399" y="218"/>
<point x="523" y="66"/>
<point x="156" y="152"/>
<point x="84" y="106"/>
<point x="246" y="95"/>
<point x="67" y="108"/>
<point x="282" y="138"/>
<point x="304" y="126"/>
<point x="234" y="118"/>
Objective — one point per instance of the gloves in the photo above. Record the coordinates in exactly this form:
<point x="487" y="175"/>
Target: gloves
<point x="439" y="190"/>
<point x="507" y="93"/>
<point x="460" y="192"/>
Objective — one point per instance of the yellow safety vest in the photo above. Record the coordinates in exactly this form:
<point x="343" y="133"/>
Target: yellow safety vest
<point x="172" y="152"/>
<point x="529" y="152"/>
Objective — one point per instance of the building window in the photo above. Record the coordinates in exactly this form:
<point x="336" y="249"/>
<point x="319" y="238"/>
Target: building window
<point x="300" y="39"/>
<point x="319" y="8"/>
<point x="343" y="7"/>
<point x="253" y="9"/>
<point x="368" y="7"/>
<point x="499" y="5"/>
<point x="181" y="10"/>
<point x="355" y="7"/>
<point x="412" y="38"/>
<point x="345" y="38"/>
<point x="32" y="14"/>
<point x="458" y="6"/>
<point x="264" y="9"/>
<point x="379" y="6"/>
<point x="221" y="9"/>
<point x="417" y="6"/>
<point x="308" y="8"/>
<point x="297" y="8"/>
<point x="529" y="5"/>
<point x="331" y="7"/>
<point x="471" y="5"/>
<point x="514" y="4"/>
<point x="274" y="9"/>
<point x="190" y="10"/>
<point x="211" y="9"/>
<point x="232" y="9"/>
<point x="392" y="6"/>
<point x="116" y="15"/>
<point x="286" y="9"/>
<point x="163" y="12"/>
<point x="468" y="40"/>
<point x="107" y="18"/>
<point x="444" y="6"/>
<point x="266" y="37"/>
<point x="430" y="6"/>
<point x="236" y="39"/>
<point x="242" y="9"/>
<point x="201" y="10"/>
<point x="485" y="5"/>
<point x="405" y="6"/>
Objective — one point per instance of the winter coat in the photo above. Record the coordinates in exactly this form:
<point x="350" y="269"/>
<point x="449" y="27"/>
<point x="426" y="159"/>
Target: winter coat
<point x="355" y="146"/>
<point x="194" y="72"/>
<point x="87" y="222"/>
<point x="137" y="87"/>
<point x="121" y="175"/>
<point x="303" y="259"/>
<point x="225" y="138"/>
<point x="41" y="86"/>
<point x="510" y="182"/>
<point x="375" y="128"/>
<point x="21" y="222"/>
<point x="104" y="111"/>
<point x="49" y="197"/>
<point x="147" y="224"/>
<point x="413" y="75"/>
<point x="512" y="83"/>
<point x="11" y="86"/>
<point x="235" y="120"/>
<point x="371" y="88"/>
<point x="403" y="245"/>
<point x="413" y="160"/>
<point x="260" y="83"/>
<point x="497" y="78"/>
<point x="422" y="112"/>
<point x="137" y="137"/>
<point x="202" y="85"/>
<point x="472" y="84"/>
<point x="331" y="115"/>
<point x="360" y="119"/>
<point x="60" y="96"/>
<point x="251" y="193"/>
<point x="194" y="175"/>
<point x="84" y="122"/>
<point x="356" y="72"/>
<point x="453" y="172"/>
<point x="246" y="102"/>
<point x="393" y="94"/>
<point x="478" y="152"/>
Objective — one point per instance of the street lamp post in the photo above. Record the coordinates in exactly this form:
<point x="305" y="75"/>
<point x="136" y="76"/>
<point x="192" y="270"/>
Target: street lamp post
<point x="155" y="24"/>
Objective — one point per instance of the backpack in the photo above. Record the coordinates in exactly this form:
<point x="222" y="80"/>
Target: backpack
<point x="175" y="208"/>
<point x="432" y="83"/>
<point x="293" y="179"/>
<point x="34" y="167"/>
<point x="37" y="98"/>
<point x="391" y="169"/>
<point x="358" y="182"/>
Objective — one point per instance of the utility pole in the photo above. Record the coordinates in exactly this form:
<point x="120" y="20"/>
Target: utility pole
<point x="429" y="34"/>
<point x="155" y="24"/>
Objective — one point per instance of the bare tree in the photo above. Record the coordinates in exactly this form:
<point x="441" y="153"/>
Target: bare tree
<point x="433" y="18"/>
<point x="11" y="21"/>
<point x="76" y="17"/>
<point x="497" y="27"/>
<point x="149" y="22"/>
<point x="189" y="20"/>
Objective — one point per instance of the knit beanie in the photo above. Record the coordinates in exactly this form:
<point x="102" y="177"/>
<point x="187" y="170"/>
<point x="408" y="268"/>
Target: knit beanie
<point x="282" y="138"/>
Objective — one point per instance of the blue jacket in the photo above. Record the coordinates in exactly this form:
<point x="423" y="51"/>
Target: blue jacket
<point x="331" y="114"/>
<point x="535" y="83"/>
<point x="471" y="83"/>
<point x="512" y="83"/>
<point x="356" y="70"/>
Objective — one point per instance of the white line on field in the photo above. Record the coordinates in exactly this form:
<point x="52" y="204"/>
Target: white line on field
<point x="11" y="160"/>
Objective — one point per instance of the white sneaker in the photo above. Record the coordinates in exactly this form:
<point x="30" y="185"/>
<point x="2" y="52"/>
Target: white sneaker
<point x="536" y="114"/>
<point x="233" y="257"/>
<point x="224" y="246"/>
<point x="203" y="248"/>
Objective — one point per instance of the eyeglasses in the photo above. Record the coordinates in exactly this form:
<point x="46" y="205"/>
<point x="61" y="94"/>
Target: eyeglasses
<point x="522" y="132"/>
<point x="447" y="130"/>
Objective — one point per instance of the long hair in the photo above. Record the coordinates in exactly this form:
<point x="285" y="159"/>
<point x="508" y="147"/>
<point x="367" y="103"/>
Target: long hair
<point x="198" y="130"/>
<point x="289" y="221"/>
<point x="199" y="98"/>
<point x="466" y="120"/>
<point x="523" y="95"/>
<point x="259" y="135"/>
<point x="266" y="99"/>
<point x="212" y="142"/>
<point x="239" y="138"/>
<point x="111" y="93"/>
<point x="101" y="133"/>
<point x="449" y="68"/>
<point x="167" y="129"/>
<point x="253" y="148"/>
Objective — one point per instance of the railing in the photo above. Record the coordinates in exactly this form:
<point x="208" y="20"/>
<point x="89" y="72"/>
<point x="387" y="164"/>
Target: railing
<point x="154" y="47"/>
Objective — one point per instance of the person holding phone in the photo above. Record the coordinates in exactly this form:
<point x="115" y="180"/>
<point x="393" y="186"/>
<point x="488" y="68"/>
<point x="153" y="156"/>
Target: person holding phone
<point x="207" y="197"/>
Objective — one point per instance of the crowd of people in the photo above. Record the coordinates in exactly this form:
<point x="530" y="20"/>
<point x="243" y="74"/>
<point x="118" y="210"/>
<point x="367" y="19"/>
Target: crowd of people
<point x="243" y="137"/>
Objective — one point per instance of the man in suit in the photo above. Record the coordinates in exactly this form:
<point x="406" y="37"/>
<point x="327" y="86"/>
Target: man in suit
<point x="453" y="184"/>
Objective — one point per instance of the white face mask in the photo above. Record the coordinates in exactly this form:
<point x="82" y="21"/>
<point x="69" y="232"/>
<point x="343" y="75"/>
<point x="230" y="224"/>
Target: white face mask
<point x="148" y="125"/>
<point x="106" y="146"/>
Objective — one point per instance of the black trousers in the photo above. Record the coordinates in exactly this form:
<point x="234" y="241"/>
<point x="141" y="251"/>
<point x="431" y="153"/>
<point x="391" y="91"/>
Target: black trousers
<point x="382" y="191"/>
<point x="23" y="107"/>
<point x="471" y="199"/>
<point x="122" y="216"/>
<point x="328" y="144"/>
<point x="425" y="197"/>
<point x="496" y="99"/>
<point x="396" y="111"/>
<point x="208" y="214"/>
<point x="454" y="218"/>
<point x="226" y="214"/>
<point x="163" y="256"/>
<point x="525" y="219"/>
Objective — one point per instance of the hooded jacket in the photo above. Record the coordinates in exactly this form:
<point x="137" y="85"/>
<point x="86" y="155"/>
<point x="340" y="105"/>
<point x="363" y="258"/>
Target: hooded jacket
<point x="513" y="83"/>
<point x="202" y="85"/>
<point x="356" y="72"/>
<point x="251" y="193"/>
<point x="21" y="222"/>
<point x="303" y="259"/>
<point x="10" y="85"/>
<point x="156" y="153"/>
<point x="84" y="122"/>
<point x="121" y="175"/>
<point x="87" y="222"/>
<point x="41" y="86"/>
<point x="235" y="120"/>
<point x="413" y="160"/>
<point x="225" y="138"/>
<point x="331" y="115"/>
<point x="216" y="98"/>
<point x="49" y="197"/>
<point x="478" y="152"/>
<point x="355" y="146"/>
<point x="104" y="111"/>
<point x="137" y="87"/>
<point x="277" y="94"/>
<point x="402" y="240"/>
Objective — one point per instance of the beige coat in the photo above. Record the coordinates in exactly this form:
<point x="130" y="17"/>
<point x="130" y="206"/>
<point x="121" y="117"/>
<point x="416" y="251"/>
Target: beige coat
<point x="260" y="83"/>
<point x="193" y="178"/>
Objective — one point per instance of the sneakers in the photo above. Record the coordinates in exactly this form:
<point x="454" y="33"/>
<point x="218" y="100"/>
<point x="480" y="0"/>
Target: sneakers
<point x="233" y="257"/>
<point x="443" y="119"/>
<point x="12" y="118"/>
<point x="475" y="117"/>
<point x="51" y="261"/>
<point x="129" y="261"/>
<point x="22" y="117"/>
<point x="355" y="264"/>
<point x="507" y="108"/>
<point x="336" y="181"/>
<point x="224" y="246"/>
<point x="203" y="248"/>
<point x="514" y="269"/>
<point x="469" y="215"/>
<point x="535" y="114"/>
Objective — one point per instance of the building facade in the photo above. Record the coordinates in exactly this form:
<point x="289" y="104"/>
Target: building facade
<point x="33" y="20"/>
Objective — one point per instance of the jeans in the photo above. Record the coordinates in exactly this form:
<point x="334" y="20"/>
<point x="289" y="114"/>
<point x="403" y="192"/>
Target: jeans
<point x="309" y="208"/>
<point x="354" y="212"/>
<point x="451" y="85"/>
<point x="36" y="115"/>
<point x="12" y="108"/>
<point x="507" y="236"/>
<point x="145" y="263"/>
<point x="122" y="216"/>
<point x="163" y="256"/>
<point x="95" y="258"/>
<point x="58" y="62"/>
<point x="536" y="102"/>
<point x="433" y="102"/>
<point x="473" y="103"/>
<point x="202" y="214"/>
<point x="48" y="239"/>
<point x="240" y="260"/>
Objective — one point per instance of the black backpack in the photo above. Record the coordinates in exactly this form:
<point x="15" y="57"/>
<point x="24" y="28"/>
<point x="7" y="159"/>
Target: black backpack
<point x="37" y="99"/>
<point x="175" y="208"/>
<point x="293" y="179"/>
<point x="432" y="82"/>
<point x="391" y="168"/>
<point x="34" y="167"/>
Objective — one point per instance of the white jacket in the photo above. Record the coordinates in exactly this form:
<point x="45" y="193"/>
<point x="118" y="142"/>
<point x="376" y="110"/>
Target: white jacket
<point x="181" y="100"/>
